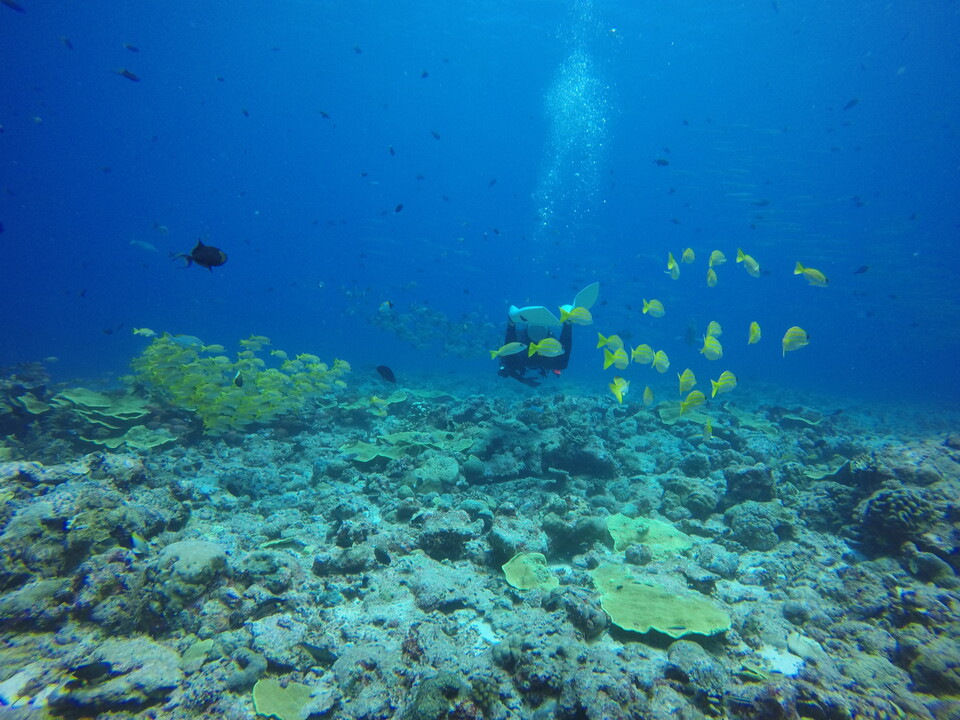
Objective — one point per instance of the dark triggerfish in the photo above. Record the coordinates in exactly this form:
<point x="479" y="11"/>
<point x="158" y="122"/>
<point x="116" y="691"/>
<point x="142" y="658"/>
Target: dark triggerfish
<point x="204" y="255"/>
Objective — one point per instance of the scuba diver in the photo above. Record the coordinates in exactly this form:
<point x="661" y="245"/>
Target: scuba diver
<point x="534" y="325"/>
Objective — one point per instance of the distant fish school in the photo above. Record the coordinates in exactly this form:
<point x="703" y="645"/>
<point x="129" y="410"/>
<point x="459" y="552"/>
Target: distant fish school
<point x="617" y="355"/>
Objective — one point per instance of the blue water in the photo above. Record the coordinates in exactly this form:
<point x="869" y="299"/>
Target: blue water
<point x="550" y="118"/>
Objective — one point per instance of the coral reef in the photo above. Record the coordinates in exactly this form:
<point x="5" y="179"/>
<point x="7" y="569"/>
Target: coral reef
<point x="478" y="557"/>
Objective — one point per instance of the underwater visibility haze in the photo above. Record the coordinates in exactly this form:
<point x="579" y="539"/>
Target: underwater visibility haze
<point x="529" y="359"/>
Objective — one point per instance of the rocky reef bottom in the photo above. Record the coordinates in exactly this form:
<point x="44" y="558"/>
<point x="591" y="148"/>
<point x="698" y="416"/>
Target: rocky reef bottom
<point x="552" y="556"/>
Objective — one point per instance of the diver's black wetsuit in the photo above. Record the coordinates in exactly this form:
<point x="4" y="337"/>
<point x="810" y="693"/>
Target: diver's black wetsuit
<point x="517" y="365"/>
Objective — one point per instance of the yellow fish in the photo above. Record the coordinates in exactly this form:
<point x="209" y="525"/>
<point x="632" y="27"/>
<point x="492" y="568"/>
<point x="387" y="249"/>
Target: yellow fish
<point x="511" y="348"/>
<point x="714" y="329"/>
<point x="213" y="349"/>
<point x="687" y="380"/>
<point x="688" y="256"/>
<point x="717" y="258"/>
<point x="613" y="341"/>
<point x="712" y="349"/>
<point x="726" y="382"/>
<point x="647" y="396"/>
<point x="548" y="347"/>
<point x="577" y="316"/>
<point x="642" y="354"/>
<point x="754" y="333"/>
<point x="619" y="388"/>
<point x="711" y="277"/>
<point x="617" y="358"/>
<point x="707" y="430"/>
<point x="653" y="308"/>
<point x="814" y="277"/>
<point x="673" y="270"/>
<point x="751" y="265"/>
<point x="145" y="332"/>
<point x="693" y="399"/>
<point x="794" y="339"/>
<point x="661" y="362"/>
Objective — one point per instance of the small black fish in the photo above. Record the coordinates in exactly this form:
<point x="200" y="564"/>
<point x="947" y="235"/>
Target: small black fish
<point x="324" y="115"/>
<point x="66" y="42"/>
<point x="203" y="255"/>
<point x="436" y="135"/>
<point x="398" y="208"/>
<point x="131" y="48"/>
<point x="13" y="5"/>
<point x="424" y="74"/>
<point x="357" y="49"/>
<point x="851" y="103"/>
<point x="88" y="673"/>
<point x="387" y="374"/>
<point x="861" y="270"/>
<point x="662" y="162"/>
<point x="492" y="183"/>
<point x="238" y="379"/>
<point x="244" y="111"/>
<point x="392" y="151"/>
<point x="123" y="72"/>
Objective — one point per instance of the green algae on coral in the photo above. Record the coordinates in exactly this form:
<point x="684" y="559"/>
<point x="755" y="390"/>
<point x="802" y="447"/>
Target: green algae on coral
<point x="32" y="404"/>
<point x="398" y="444"/>
<point x="642" y="607"/>
<point x="529" y="571"/>
<point x="272" y="699"/>
<point x="659" y="536"/>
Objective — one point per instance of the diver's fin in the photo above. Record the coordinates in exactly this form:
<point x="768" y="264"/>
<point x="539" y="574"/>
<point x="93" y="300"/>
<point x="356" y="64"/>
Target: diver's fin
<point x="588" y="296"/>
<point x="534" y="315"/>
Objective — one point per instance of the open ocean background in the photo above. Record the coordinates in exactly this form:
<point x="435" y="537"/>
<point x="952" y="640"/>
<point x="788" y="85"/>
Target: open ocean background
<point x="550" y="119"/>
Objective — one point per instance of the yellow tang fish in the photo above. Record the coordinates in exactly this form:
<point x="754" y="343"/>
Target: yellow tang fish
<point x="754" y="333"/>
<point x="642" y="354"/>
<point x="577" y="316"/>
<point x="661" y="363"/>
<point x="613" y="341"/>
<point x="707" y="430"/>
<point x="814" y="277"/>
<point x="693" y="399"/>
<point x="726" y="382"/>
<point x="619" y="388"/>
<point x="751" y="265"/>
<point x="617" y="358"/>
<point x="714" y="329"/>
<point x="673" y="270"/>
<point x="146" y="332"/>
<point x="717" y="258"/>
<point x="711" y="277"/>
<point x="548" y="347"/>
<point x="794" y="339"/>
<point x="712" y="349"/>
<point x="511" y="348"/>
<point x="654" y="308"/>
<point x="688" y="256"/>
<point x="647" y="396"/>
<point x="687" y="380"/>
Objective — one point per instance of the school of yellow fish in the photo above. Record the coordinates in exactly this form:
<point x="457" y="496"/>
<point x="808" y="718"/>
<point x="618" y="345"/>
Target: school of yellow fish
<point x="617" y="355"/>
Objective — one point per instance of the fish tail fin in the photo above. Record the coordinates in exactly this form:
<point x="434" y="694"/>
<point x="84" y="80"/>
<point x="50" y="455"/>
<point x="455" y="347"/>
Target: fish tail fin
<point x="715" y="386"/>
<point x="531" y="349"/>
<point x="493" y="354"/>
<point x="607" y="359"/>
<point x="564" y="315"/>
<point x="601" y="340"/>
<point x="798" y="270"/>
<point x="740" y="255"/>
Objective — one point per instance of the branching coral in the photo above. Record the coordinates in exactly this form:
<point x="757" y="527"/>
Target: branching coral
<point x="231" y="395"/>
